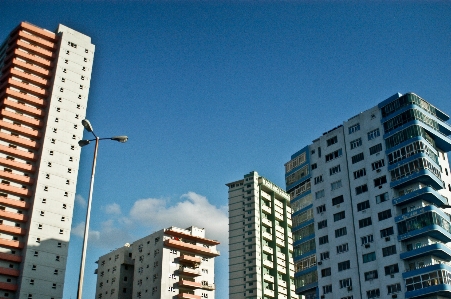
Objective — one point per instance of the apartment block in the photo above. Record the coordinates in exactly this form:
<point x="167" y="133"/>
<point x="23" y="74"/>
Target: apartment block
<point x="370" y="200"/>
<point x="260" y="242"/>
<point x="44" y="85"/>
<point x="170" y="263"/>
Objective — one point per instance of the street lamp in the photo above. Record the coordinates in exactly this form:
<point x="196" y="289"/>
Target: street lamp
<point x="82" y="143"/>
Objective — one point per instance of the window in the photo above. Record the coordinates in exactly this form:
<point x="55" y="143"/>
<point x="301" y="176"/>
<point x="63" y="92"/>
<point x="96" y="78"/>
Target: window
<point x="354" y="128"/>
<point x="384" y="215"/>
<point x="323" y="240"/>
<point x="378" y="164"/>
<point x="373" y="294"/>
<point x="394" y="288"/>
<point x="367" y="239"/>
<point x="361" y="189"/>
<point x="322" y="224"/>
<point x="337" y="200"/>
<point x="327" y="289"/>
<point x="375" y="149"/>
<point x="344" y="266"/>
<point x="332" y="140"/>
<point x="318" y="179"/>
<point x="314" y="166"/>
<point x="334" y="170"/>
<point x="389" y="250"/>
<point x="373" y="134"/>
<point x="319" y="194"/>
<point x="382" y="197"/>
<point x="365" y="222"/>
<point x="357" y="158"/>
<point x="334" y="155"/>
<point x="359" y="173"/>
<point x="370" y="275"/>
<point x="380" y="181"/>
<point x="326" y="272"/>
<point x="321" y="209"/>
<point x="387" y="232"/>
<point x="345" y="283"/>
<point x="391" y="269"/>
<point x="340" y="232"/>
<point x="369" y="257"/>
<point x="324" y="255"/>
<point x="342" y="248"/>
<point x="338" y="216"/>
<point x="356" y="143"/>
<point x="336" y="185"/>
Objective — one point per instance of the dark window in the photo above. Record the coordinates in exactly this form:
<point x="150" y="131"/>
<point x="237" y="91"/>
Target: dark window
<point x="382" y="197"/>
<point x="332" y="140"/>
<point x="378" y="164"/>
<point x="340" y="232"/>
<point x="391" y="269"/>
<point x="323" y="240"/>
<point x="380" y="181"/>
<point x="365" y="222"/>
<point x="363" y="205"/>
<point x="389" y="250"/>
<point x="375" y="149"/>
<point x="361" y="189"/>
<point x="370" y="275"/>
<point x="384" y="215"/>
<point x="333" y="155"/>
<point x="322" y="224"/>
<point x="387" y="232"/>
<point x="344" y="265"/>
<point x="339" y="216"/>
<point x="357" y="158"/>
<point x="326" y="272"/>
<point x="337" y="200"/>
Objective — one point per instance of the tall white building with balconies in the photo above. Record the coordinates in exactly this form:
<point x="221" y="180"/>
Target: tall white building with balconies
<point x="44" y="85"/>
<point x="260" y="243"/>
<point x="170" y="263"/>
<point x="370" y="200"/>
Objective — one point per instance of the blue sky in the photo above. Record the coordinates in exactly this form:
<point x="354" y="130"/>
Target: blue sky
<point x="209" y="91"/>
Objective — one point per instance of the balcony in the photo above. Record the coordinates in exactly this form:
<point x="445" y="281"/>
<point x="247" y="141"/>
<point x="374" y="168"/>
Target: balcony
<point x="431" y="280"/>
<point x="22" y="179"/>
<point x="266" y="209"/>
<point x="35" y="39"/>
<point x="278" y="216"/>
<point x="209" y="287"/>
<point x="46" y="54"/>
<point x="27" y="87"/>
<point x="9" y="272"/>
<point x="17" y="165"/>
<point x="267" y="249"/>
<point x="20" y="130"/>
<point x="282" y="270"/>
<point x="15" y="190"/>
<point x="14" y="203"/>
<point x="12" y="230"/>
<point x="9" y="286"/>
<point x="267" y="222"/>
<point x="189" y="284"/>
<point x="13" y="216"/>
<point x="267" y="236"/>
<point x="190" y="247"/>
<point x="49" y="36"/>
<point x="22" y="118"/>
<point x="180" y="234"/>
<point x="424" y="176"/>
<point x="26" y="109"/>
<point x="280" y="242"/>
<point x="18" y="153"/>
<point x="438" y="249"/>
<point x="268" y="264"/>
<point x="426" y="193"/>
<point x="24" y="142"/>
<point x="188" y="296"/>
<point x="189" y="271"/>
<point x="25" y="97"/>
<point x="268" y="277"/>
<point x="31" y="57"/>
<point x="38" y="80"/>
<point x="10" y="257"/>
<point x="269" y="293"/>
<point x="11" y="243"/>
<point x="184" y="258"/>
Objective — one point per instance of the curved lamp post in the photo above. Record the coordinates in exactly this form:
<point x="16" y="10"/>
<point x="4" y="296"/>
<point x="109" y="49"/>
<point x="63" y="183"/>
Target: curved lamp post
<point x="82" y="143"/>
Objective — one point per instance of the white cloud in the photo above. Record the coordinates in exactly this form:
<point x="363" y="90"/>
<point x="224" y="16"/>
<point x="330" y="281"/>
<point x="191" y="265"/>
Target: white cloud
<point x="79" y="231"/>
<point x="193" y="209"/>
<point x="112" y="209"/>
<point x="80" y="201"/>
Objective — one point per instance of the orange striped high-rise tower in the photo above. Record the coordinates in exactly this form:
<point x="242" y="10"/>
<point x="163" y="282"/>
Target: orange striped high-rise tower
<point x="44" y="85"/>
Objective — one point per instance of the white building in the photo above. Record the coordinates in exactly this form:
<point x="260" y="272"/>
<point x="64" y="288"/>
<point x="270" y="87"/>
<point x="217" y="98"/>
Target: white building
<point x="44" y="85"/>
<point x="171" y="263"/>
<point x="369" y="200"/>
<point x="260" y="243"/>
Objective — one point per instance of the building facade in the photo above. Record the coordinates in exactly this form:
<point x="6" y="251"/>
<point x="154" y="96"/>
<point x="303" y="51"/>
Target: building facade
<point x="260" y="243"/>
<point x="369" y="201"/>
<point x="44" y="85"/>
<point x="171" y="263"/>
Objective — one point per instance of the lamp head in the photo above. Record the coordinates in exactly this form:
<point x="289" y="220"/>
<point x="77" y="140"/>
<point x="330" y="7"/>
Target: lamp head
<point x="121" y="139"/>
<point x="82" y="143"/>
<point x="87" y="125"/>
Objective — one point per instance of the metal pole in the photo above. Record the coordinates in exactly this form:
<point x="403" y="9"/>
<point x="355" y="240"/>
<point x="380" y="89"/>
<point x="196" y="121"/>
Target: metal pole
<point x="88" y="216"/>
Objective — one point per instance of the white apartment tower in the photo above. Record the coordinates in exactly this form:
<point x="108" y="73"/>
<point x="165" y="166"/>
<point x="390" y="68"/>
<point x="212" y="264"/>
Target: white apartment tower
<point x="44" y="85"/>
<point x="370" y="200"/>
<point x="170" y="263"/>
<point x="260" y="243"/>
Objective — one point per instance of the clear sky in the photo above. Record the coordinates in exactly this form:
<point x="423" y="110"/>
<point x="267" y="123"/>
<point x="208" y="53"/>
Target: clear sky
<point x="209" y="91"/>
